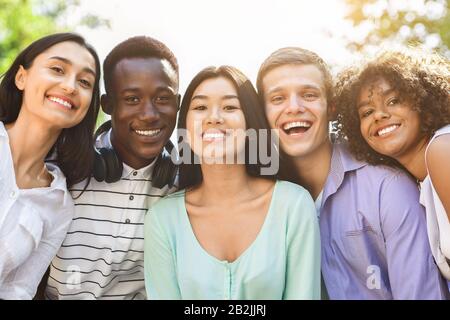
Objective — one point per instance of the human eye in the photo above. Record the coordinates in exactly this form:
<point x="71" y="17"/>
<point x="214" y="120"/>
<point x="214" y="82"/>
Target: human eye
<point x="277" y="99"/>
<point x="57" y="69"/>
<point x="393" y="101"/>
<point x="199" y="107"/>
<point x="162" y="99"/>
<point x="309" y="96"/>
<point x="230" y="107"/>
<point x="85" y="83"/>
<point x="365" y="113"/>
<point x="132" y="99"/>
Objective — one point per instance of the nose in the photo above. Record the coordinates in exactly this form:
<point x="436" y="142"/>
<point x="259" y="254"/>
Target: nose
<point x="381" y="114"/>
<point x="295" y="105"/>
<point x="215" y="116"/>
<point x="149" y="112"/>
<point x="69" y="85"/>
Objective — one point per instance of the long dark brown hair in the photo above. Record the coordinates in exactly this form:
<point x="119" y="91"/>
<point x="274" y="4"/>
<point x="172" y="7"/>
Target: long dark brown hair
<point x="74" y="146"/>
<point x="191" y="174"/>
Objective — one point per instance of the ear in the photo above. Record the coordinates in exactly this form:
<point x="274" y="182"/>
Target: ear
<point x="106" y="104"/>
<point x="178" y="101"/>
<point x="21" y="77"/>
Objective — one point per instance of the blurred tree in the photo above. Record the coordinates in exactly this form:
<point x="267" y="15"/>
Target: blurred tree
<point x="412" y="22"/>
<point x="23" y="21"/>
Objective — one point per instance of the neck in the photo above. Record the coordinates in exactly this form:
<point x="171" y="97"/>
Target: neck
<point x="313" y="169"/>
<point x="414" y="160"/>
<point x="222" y="181"/>
<point x="30" y="141"/>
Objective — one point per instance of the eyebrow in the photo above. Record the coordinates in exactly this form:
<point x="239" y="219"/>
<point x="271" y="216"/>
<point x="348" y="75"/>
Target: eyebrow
<point x="67" y="61"/>
<point x="225" y="97"/>
<point x="362" y="104"/>
<point x="158" y="89"/>
<point x="306" y="86"/>
<point x="366" y="102"/>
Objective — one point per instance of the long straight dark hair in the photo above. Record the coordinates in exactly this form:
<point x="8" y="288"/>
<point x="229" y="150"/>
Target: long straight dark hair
<point x="190" y="174"/>
<point x="74" y="146"/>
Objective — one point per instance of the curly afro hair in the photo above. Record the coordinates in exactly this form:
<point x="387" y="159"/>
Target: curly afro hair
<point x="420" y="79"/>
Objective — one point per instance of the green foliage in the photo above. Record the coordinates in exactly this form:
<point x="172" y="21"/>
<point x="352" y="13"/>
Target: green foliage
<point x="19" y="26"/>
<point x="409" y="22"/>
<point x="23" y="21"/>
<point x="101" y="118"/>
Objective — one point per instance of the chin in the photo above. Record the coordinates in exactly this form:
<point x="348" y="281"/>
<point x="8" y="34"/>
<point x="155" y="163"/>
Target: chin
<point x="296" y="150"/>
<point x="60" y="121"/>
<point x="150" y="155"/>
<point x="151" y="152"/>
<point x="389" y="152"/>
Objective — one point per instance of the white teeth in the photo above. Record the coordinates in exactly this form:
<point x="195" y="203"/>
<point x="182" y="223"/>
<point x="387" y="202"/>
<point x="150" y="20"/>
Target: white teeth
<point x="148" y="133"/>
<point x="388" y="129"/>
<point x="61" y="102"/>
<point x="215" y="135"/>
<point x="296" y="124"/>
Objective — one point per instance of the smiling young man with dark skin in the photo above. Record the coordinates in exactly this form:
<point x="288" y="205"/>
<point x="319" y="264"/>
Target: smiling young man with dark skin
<point x="102" y="256"/>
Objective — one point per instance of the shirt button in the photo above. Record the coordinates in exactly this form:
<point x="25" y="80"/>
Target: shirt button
<point x="131" y="198"/>
<point x="12" y="194"/>
<point x="135" y="173"/>
<point x="127" y="221"/>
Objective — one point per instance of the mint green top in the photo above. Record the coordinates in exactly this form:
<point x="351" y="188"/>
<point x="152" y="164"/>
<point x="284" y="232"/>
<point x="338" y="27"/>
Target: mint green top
<point x="283" y="262"/>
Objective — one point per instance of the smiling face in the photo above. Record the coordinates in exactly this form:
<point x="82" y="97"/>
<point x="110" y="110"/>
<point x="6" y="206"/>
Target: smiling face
<point x="296" y="105"/>
<point x="389" y="125"/>
<point x="58" y="86"/>
<point x="215" y="120"/>
<point x="143" y="107"/>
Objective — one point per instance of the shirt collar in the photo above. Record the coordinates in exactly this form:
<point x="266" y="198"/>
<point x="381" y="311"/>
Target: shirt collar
<point x="3" y="132"/>
<point x="104" y="141"/>
<point x="59" y="180"/>
<point x="142" y="173"/>
<point x="349" y="163"/>
<point x="58" y="184"/>
<point x="55" y="193"/>
<point x="341" y="162"/>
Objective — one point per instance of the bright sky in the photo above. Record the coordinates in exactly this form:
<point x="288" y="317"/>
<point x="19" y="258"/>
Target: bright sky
<point x="241" y="33"/>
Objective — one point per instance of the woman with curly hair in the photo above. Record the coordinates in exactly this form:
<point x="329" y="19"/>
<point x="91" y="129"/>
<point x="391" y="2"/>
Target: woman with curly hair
<point x="395" y="110"/>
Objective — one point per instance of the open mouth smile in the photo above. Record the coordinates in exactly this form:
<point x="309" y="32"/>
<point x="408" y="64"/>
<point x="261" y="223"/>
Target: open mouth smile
<point x="148" y="132"/>
<point x="214" y="135"/>
<point x="386" y="130"/>
<point x="296" y="127"/>
<point x="62" y="102"/>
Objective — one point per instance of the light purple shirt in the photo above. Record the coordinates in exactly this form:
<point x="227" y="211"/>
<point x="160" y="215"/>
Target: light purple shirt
<point x="373" y="233"/>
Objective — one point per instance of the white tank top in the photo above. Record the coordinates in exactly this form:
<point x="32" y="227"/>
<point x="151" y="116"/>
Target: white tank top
<point x="438" y="224"/>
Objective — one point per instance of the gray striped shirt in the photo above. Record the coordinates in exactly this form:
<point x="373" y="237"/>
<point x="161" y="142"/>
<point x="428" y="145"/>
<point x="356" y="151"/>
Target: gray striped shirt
<point x="102" y="256"/>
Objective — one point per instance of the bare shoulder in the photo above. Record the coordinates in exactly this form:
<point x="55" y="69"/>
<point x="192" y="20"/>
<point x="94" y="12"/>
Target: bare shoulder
<point x="438" y="159"/>
<point x="438" y="153"/>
